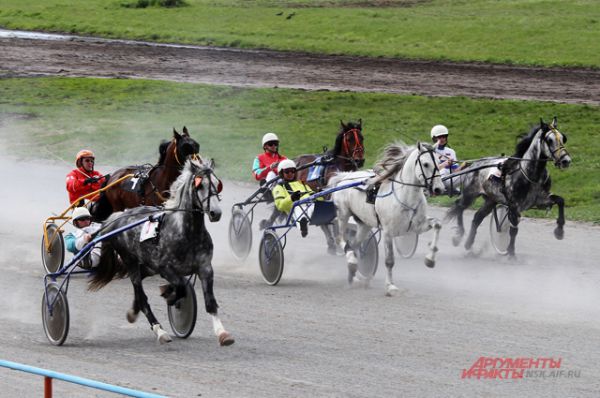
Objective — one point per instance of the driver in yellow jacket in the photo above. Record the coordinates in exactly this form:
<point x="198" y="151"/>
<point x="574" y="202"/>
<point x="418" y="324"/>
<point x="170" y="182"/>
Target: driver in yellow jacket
<point x="291" y="190"/>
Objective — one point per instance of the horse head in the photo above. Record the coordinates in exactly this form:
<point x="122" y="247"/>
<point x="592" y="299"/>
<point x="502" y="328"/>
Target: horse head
<point x="349" y="143"/>
<point x="553" y="144"/>
<point x="197" y="189"/>
<point x="183" y="146"/>
<point x="426" y="169"/>
<point x="208" y="187"/>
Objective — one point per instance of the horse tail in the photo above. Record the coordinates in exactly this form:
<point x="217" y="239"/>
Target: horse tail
<point x="110" y="267"/>
<point x="452" y="212"/>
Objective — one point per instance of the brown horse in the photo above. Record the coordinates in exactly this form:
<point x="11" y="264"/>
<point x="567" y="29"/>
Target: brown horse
<point x="150" y="185"/>
<point x="348" y="154"/>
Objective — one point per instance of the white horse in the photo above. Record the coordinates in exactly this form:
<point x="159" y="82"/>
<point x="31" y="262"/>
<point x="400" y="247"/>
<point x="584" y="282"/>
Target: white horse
<point x="400" y="206"/>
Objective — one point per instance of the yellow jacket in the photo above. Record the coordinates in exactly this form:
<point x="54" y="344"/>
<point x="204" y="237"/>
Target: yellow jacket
<point x="283" y="200"/>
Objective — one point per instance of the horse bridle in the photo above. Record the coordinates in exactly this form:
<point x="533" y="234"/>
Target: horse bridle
<point x="194" y="156"/>
<point x="436" y="171"/>
<point x="358" y="150"/>
<point x="560" y="146"/>
<point x="213" y="190"/>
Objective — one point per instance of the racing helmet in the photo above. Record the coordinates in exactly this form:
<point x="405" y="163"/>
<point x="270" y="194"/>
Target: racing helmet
<point x="80" y="212"/>
<point x="269" y="137"/>
<point x="84" y="153"/>
<point x="437" y="130"/>
<point x="286" y="164"/>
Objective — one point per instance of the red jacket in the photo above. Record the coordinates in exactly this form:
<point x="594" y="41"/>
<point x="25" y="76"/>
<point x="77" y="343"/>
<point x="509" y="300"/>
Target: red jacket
<point x="76" y="187"/>
<point x="261" y="168"/>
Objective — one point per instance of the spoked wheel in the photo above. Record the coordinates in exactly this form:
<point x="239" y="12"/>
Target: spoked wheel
<point x="369" y="257"/>
<point x="406" y="245"/>
<point x="56" y="321"/>
<point x="54" y="256"/>
<point x="499" y="229"/>
<point x="182" y="314"/>
<point x="270" y="257"/>
<point x="240" y="234"/>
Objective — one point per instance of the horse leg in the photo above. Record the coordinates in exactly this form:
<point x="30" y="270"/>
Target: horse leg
<point x="206" y="276"/>
<point x="457" y="211"/>
<point x="388" y="243"/>
<point x="514" y="218"/>
<point x="486" y="209"/>
<point x="433" y="249"/>
<point x="354" y="247"/>
<point x="560" y="221"/>
<point x="331" y="246"/>
<point x="142" y="300"/>
<point x="271" y="220"/>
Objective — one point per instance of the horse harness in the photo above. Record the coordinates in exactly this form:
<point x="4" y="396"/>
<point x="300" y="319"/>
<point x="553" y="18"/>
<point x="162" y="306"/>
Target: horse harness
<point x="144" y="174"/>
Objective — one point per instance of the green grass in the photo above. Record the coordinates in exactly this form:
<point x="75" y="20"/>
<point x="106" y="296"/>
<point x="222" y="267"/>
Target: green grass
<point x="123" y="121"/>
<point x="530" y="32"/>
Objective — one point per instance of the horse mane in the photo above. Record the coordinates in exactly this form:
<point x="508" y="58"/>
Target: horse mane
<point x="162" y="151"/>
<point x="181" y="191"/>
<point x="337" y="147"/>
<point x="525" y="140"/>
<point x="392" y="159"/>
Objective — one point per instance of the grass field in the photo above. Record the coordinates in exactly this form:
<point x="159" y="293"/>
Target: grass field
<point x="530" y="32"/>
<point x="123" y="121"/>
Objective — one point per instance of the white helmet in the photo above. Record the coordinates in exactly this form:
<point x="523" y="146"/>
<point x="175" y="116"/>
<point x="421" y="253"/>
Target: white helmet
<point x="269" y="137"/>
<point x="286" y="164"/>
<point x="437" y="130"/>
<point x="80" y="212"/>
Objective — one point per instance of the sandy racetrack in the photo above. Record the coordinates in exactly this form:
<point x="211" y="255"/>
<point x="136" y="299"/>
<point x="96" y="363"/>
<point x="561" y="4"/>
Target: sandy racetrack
<point x="311" y="335"/>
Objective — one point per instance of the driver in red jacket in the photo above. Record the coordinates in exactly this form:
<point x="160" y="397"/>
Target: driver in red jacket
<point x="84" y="179"/>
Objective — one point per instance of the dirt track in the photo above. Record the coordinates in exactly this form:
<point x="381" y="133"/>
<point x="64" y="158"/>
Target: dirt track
<point x="69" y="56"/>
<point x="310" y="335"/>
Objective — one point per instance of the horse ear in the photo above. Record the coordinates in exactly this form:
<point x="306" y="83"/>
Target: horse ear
<point x="342" y="123"/>
<point x="211" y="163"/>
<point x="185" y="131"/>
<point x="419" y="146"/>
<point x="554" y="122"/>
<point x="176" y="134"/>
<point x="541" y="122"/>
<point x="360" y="123"/>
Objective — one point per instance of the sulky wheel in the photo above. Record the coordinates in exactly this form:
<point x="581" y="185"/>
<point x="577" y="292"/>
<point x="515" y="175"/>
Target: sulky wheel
<point x="406" y="245"/>
<point x="499" y="229"/>
<point x="270" y="257"/>
<point x="369" y="257"/>
<point x="56" y="318"/>
<point x="53" y="256"/>
<point x="240" y="234"/>
<point x="182" y="314"/>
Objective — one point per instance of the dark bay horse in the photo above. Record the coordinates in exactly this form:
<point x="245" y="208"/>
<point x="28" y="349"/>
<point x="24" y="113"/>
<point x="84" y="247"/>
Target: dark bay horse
<point x="524" y="183"/>
<point x="154" y="182"/>
<point x="183" y="246"/>
<point x="348" y="154"/>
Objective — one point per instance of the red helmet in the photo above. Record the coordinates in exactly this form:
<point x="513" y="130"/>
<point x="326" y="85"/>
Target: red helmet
<point x="84" y="153"/>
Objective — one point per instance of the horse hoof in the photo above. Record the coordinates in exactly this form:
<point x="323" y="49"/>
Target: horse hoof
<point x="131" y="316"/>
<point x="429" y="262"/>
<point x="225" y="339"/>
<point x="165" y="338"/>
<point x="559" y="233"/>
<point x="391" y="290"/>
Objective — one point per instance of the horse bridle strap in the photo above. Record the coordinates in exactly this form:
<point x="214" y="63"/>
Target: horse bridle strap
<point x="194" y="155"/>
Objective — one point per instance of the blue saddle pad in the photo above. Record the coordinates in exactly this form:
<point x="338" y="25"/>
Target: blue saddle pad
<point x="315" y="172"/>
